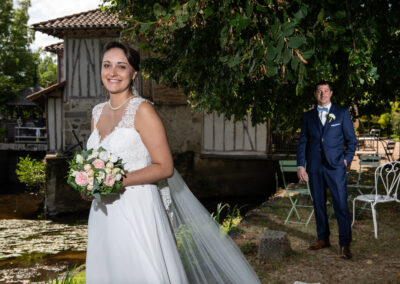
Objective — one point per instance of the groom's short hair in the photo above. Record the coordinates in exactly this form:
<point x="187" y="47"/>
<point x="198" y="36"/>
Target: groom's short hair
<point x="320" y="83"/>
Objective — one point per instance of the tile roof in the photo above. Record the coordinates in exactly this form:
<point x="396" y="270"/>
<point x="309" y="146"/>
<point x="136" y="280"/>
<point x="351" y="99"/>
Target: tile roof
<point x="93" y="19"/>
<point x="45" y="91"/>
<point x="59" y="46"/>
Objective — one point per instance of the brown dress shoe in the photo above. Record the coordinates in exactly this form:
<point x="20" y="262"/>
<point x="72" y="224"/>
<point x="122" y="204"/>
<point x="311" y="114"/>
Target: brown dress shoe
<point x="345" y="252"/>
<point x="320" y="245"/>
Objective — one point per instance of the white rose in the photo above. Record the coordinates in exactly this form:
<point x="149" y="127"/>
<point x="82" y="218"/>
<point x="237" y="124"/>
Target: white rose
<point x="91" y="181"/>
<point x="90" y="173"/>
<point x="108" y="171"/>
<point x="118" y="177"/>
<point x="104" y="156"/>
<point x="74" y="173"/>
<point x="87" y="167"/>
<point x="110" y="165"/>
<point x="79" y="159"/>
<point x="89" y="187"/>
<point x="115" y="171"/>
<point x="113" y="158"/>
<point x="95" y="154"/>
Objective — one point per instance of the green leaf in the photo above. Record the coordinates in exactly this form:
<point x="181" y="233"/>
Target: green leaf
<point x="97" y="196"/>
<point x="271" y="52"/>
<point x="233" y="61"/>
<point x="208" y="12"/>
<point x="288" y="28"/>
<point x="272" y="70"/>
<point x="223" y="37"/>
<point x="296" y="41"/>
<point x="287" y="55"/>
<point x="295" y="63"/>
<point x="301" y="13"/>
<point x="279" y="47"/>
<point x="307" y="54"/>
<point x="321" y="15"/>
<point x="159" y="10"/>
<point x="341" y="14"/>
<point x="144" y="28"/>
<point x="240" y="22"/>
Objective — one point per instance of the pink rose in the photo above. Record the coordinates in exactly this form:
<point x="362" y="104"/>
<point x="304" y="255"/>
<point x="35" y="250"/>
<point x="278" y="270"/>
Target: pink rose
<point x="81" y="179"/>
<point x="98" y="164"/>
<point x="110" y="180"/>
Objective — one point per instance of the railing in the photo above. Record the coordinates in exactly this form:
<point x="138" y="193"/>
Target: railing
<point x="30" y="135"/>
<point x="283" y="143"/>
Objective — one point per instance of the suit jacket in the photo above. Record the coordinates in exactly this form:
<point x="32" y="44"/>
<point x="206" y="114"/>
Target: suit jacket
<point x="336" y="140"/>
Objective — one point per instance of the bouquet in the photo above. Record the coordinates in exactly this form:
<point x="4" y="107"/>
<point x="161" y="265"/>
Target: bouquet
<point x="95" y="172"/>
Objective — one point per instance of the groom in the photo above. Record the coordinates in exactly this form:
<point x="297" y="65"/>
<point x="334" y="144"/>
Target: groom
<point x="326" y="147"/>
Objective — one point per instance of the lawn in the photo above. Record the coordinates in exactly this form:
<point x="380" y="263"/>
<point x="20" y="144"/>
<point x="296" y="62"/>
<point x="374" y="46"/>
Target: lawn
<point x="374" y="260"/>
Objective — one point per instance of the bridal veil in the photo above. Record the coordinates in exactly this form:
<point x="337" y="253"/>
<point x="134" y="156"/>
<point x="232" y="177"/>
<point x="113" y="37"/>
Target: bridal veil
<point x="208" y="255"/>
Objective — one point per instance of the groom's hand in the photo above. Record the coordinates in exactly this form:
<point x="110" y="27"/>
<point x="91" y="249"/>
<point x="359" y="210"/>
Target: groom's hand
<point x="301" y="174"/>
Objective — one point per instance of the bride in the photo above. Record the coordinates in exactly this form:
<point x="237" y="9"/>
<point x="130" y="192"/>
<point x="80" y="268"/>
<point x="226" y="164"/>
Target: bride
<point x="131" y="238"/>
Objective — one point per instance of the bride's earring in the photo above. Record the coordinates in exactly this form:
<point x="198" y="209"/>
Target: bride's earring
<point x="134" y="91"/>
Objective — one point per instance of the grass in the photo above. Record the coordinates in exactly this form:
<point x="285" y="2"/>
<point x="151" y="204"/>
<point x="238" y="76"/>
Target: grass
<point x="374" y="260"/>
<point x="74" y="276"/>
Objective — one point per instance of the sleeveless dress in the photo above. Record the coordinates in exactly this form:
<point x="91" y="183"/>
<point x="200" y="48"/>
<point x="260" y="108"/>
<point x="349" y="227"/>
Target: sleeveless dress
<point x="129" y="236"/>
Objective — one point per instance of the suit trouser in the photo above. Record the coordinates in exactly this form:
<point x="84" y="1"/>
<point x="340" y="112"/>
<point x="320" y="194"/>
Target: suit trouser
<point x="336" y="181"/>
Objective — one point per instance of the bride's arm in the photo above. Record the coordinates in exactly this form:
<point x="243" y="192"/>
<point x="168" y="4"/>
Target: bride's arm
<point x="152" y="133"/>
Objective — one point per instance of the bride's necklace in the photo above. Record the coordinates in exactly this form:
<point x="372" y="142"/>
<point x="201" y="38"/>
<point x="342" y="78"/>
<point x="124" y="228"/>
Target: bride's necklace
<point x="118" y="107"/>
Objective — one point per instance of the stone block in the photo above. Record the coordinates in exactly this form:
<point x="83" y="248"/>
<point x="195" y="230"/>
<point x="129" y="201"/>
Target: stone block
<point x="274" y="244"/>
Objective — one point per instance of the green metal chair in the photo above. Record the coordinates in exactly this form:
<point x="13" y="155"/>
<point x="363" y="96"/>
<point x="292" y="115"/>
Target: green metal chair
<point x="361" y="186"/>
<point x="294" y="192"/>
<point x="365" y="162"/>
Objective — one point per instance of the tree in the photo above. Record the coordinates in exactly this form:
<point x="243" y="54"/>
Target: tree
<point x="264" y="57"/>
<point x="16" y="58"/>
<point x="47" y="71"/>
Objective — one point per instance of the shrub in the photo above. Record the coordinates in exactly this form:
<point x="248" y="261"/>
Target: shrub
<point x="31" y="172"/>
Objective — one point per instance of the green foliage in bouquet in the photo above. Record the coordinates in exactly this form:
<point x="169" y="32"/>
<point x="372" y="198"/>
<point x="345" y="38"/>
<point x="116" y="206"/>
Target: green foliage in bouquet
<point x="31" y="172"/>
<point x="95" y="172"/>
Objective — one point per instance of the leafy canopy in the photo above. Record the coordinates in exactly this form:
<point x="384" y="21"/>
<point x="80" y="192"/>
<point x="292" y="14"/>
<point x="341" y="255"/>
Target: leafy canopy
<point x="263" y="57"/>
<point x="16" y="59"/>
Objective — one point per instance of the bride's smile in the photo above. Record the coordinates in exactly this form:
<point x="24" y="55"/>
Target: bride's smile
<point x="116" y="72"/>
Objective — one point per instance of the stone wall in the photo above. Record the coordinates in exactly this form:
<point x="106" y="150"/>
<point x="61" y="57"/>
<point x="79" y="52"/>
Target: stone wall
<point x="59" y="196"/>
<point x="77" y="116"/>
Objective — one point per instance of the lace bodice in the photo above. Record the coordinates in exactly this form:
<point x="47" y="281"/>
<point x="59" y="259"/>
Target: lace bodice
<point x="124" y="141"/>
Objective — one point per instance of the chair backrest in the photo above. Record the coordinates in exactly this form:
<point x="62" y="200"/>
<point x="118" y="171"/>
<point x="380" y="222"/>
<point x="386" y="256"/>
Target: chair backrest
<point x="388" y="175"/>
<point x="374" y="161"/>
<point x="367" y="161"/>
<point x="287" y="166"/>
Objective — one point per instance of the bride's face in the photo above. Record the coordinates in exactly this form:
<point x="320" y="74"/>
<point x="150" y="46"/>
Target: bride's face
<point x="116" y="72"/>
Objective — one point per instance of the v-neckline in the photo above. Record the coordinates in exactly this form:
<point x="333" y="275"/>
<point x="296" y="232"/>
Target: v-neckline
<point x="101" y="139"/>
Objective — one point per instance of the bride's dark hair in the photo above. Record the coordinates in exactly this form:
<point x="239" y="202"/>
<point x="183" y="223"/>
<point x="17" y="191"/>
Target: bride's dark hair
<point x="131" y="54"/>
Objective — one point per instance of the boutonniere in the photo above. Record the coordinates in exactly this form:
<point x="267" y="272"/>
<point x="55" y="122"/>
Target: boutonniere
<point x="331" y="117"/>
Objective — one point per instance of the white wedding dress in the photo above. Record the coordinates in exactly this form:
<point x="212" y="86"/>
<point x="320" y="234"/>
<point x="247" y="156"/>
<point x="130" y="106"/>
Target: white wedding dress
<point x="130" y="237"/>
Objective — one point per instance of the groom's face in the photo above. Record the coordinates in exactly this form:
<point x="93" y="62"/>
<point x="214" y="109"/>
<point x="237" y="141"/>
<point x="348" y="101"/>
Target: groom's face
<point x="323" y="95"/>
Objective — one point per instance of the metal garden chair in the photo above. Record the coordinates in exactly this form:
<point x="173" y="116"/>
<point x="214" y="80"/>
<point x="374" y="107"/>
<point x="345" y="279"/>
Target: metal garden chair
<point x="388" y="176"/>
<point x="365" y="163"/>
<point x="294" y="192"/>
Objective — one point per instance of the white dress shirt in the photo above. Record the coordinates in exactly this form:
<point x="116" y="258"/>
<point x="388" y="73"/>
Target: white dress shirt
<point x="322" y="114"/>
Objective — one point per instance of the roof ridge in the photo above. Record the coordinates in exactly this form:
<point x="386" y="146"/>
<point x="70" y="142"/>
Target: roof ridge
<point x="67" y="17"/>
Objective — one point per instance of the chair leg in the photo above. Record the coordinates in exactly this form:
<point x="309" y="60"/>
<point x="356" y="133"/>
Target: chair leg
<point x="309" y="218"/>
<point x="374" y="217"/>
<point x="354" y="211"/>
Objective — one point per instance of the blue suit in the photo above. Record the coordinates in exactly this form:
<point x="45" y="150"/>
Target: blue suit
<point x="324" y="149"/>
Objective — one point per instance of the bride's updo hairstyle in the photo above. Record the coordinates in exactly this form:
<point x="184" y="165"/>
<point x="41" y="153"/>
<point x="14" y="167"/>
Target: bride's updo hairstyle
<point x="131" y="54"/>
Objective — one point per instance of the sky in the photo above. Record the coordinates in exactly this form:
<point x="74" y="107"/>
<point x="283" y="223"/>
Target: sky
<point x="43" y="10"/>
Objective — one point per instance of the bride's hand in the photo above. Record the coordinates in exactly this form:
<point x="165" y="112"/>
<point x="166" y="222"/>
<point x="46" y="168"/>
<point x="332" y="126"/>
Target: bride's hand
<point x="84" y="197"/>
